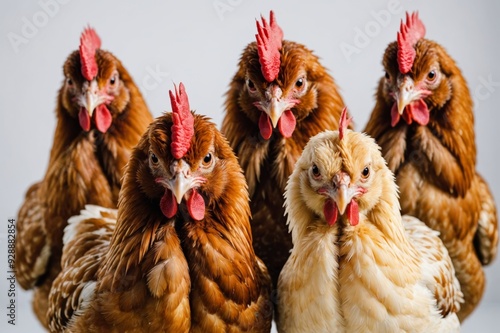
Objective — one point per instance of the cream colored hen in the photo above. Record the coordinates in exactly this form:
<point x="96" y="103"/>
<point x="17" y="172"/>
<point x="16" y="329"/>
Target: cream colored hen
<point x="356" y="264"/>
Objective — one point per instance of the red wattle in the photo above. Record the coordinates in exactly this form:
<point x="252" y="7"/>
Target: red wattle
<point x="196" y="206"/>
<point x="103" y="118"/>
<point x="286" y="124"/>
<point x="420" y="112"/>
<point x="395" y="115"/>
<point x="407" y="114"/>
<point x="415" y="111"/>
<point x="168" y="205"/>
<point x="330" y="211"/>
<point x="353" y="213"/>
<point x="266" y="130"/>
<point x="84" y="119"/>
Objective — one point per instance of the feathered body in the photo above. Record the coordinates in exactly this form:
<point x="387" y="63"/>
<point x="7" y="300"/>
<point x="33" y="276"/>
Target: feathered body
<point x="434" y="160"/>
<point x="302" y="92"/>
<point x="184" y="273"/>
<point x="85" y="166"/>
<point x="364" y="269"/>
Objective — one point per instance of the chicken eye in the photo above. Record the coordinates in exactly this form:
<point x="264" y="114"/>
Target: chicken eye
<point x="299" y="83"/>
<point x="365" y="173"/>
<point x="387" y="76"/>
<point x="315" y="171"/>
<point x="154" y="159"/>
<point x="207" y="160"/>
<point x="431" y="76"/>
<point x="69" y="82"/>
<point x="112" y="81"/>
<point x="251" y="85"/>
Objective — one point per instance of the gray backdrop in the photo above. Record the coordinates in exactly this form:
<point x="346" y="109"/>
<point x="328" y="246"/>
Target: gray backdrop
<point x="199" y="43"/>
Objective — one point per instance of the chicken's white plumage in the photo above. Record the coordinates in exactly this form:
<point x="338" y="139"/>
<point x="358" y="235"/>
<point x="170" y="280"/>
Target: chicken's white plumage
<point x="85" y="239"/>
<point x="372" y="272"/>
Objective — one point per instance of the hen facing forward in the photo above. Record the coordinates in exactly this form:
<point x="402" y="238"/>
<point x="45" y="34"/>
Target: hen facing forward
<point x="356" y="265"/>
<point x="280" y="96"/>
<point x="180" y="258"/>
<point x="423" y="120"/>
<point x="100" y="117"/>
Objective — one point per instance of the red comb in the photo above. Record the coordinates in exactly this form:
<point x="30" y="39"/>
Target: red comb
<point x="343" y="123"/>
<point x="89" y="43"/>
<point x="183" y="127"/>
<point x="269" y="39"/>
<point x="408" y="36"/>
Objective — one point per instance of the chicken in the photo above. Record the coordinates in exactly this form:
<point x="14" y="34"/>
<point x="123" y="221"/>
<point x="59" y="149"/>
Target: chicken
<point x="178" y="255"/>
<point x="100" y="118"/>
<point x="280" y="96"/>
<point x="356" y="264"/>
<point x="423" y="120"/>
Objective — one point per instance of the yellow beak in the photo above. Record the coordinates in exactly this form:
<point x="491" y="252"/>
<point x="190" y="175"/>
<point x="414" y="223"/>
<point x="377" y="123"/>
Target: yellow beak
<point x="90" y="98"/>
<point x="343" y="198"/>
<point x="275" y="111"/>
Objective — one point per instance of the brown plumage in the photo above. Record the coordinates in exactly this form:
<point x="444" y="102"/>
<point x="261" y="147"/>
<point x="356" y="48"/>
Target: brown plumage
<point x="85" y="167"/>
<point x="267" y="164"/>
<point x="435" y="162"/>
<point x="161" y="274"/>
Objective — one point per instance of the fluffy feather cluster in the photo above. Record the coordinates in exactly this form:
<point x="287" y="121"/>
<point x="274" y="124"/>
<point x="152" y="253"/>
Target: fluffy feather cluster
<point x="174" y="226"/>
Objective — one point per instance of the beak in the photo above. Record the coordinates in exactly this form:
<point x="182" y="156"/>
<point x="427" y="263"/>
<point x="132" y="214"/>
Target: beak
<point x="180" y="185"/>
<point x="408" y="93"/>
<point x="342" y="198"/>
<point x="275" y="104"/>
<point x="181" y="182"/>
<point x="90" y="98"/>
<point x="342" y="194"/>
<point x="275" y="111"/>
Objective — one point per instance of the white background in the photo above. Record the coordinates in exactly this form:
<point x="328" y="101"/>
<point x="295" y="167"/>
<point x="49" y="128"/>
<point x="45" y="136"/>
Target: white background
<point x="194" y="42"/>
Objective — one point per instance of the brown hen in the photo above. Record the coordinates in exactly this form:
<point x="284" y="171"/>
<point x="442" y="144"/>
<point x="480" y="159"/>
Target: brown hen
<point x="423" y="120"/>
<point x="280" y="96"/>
<point x="100" y="117"/>
<point x="180" y="258"/>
